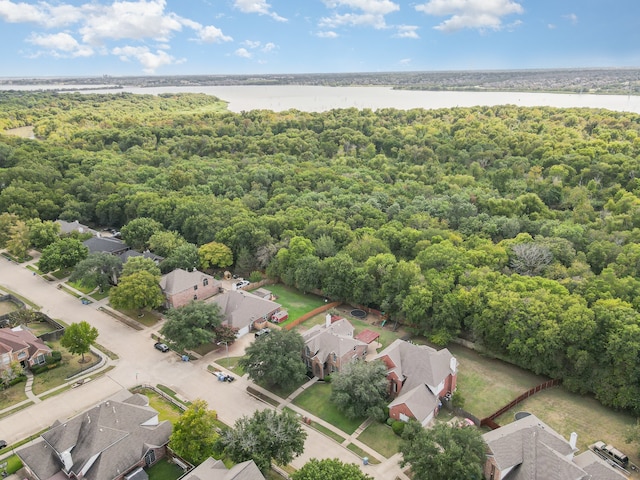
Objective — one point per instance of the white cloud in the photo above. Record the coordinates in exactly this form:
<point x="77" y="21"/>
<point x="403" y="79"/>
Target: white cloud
<point x="242" y="52"/>
<point x="327" y="34"/>
<point x="551" y="26"/>
<point x="61" y="45"/>
<point x="407" y="31"/>
<point x="42" y="13"/>
<point x="211" y="34"/>
<point x="370" y="13"/>
<point x="474" y="14"/>
<point x="268" y="47"/>
<point x="405" y="61"/>
<point x="572" y="17"/>
<point x="257" y="6"/>
<point x="151" y="61"/>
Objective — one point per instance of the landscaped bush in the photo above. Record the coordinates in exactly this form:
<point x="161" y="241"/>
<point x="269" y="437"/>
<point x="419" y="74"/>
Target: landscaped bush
<point x="15" y="381"/>
<point x="44" y="368"/>
<point x="390" y="421"/>
<point x="398" y="427"/>
<point x="55" y="356"/>
<point x="255" y="276"/>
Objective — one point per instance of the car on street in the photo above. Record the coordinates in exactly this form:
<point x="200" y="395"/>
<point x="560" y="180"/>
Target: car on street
<point x="224" y="377"/>
<point x="161" y="346"/>
<point x="3" y="444"/>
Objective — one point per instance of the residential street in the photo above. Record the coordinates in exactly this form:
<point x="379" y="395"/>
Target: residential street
<point x="140" y="363"/>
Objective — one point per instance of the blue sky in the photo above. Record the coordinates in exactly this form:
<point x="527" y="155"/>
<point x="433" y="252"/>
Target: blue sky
<point x="180" y="37"/>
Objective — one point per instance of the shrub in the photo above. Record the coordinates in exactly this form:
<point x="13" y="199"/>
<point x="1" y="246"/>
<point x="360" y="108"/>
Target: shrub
<point x="17" y="380"/>
<point x="390" y="421"/>
<point x="255" y="276"/>
<point x="327" y="378"/>
<point x="457" y="400"/>
<point x="398" y="427"/>
<point x="56" y="355"/>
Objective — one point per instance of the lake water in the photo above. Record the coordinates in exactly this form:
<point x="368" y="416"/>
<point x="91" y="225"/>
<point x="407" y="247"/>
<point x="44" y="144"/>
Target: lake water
<point x="320" y="99"/>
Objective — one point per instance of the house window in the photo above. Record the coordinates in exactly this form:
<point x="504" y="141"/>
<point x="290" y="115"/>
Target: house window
<point x="335" y="357"/>
<point x="205" y="282"/>
<point x="195" y="287"/>
<point x="40" y="360"/>
<point x="22" y="355"/>
<point x="150" y="458"/>
<point x="195" y="297"/>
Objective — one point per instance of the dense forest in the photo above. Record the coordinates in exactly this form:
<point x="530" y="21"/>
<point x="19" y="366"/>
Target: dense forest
<point x="518" y="228"/>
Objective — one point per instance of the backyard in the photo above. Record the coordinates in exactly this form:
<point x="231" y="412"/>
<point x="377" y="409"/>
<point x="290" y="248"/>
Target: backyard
<point x="164" y="470"/>
<point x="295" y="302"/>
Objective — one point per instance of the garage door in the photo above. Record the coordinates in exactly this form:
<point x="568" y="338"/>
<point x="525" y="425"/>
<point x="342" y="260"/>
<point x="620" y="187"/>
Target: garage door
<point x="243" y="331"/>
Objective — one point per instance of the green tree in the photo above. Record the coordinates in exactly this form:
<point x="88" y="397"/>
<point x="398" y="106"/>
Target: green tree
<point x="360" y="389"/>
<point x="192" y="325"/>
<point x="63" y="253"/>
<point x="443" y="452"/>
<point x="78" y="338"/>
<point x="165" y="243"/>
<point x="276" y="359"/>
<point x="42" y="234"/>
<point x="18" y="243"/>
<point x="225" y="334"/>
<point x="185" y="257"/>
<point x="137" y="232"/>
<point x="7" y="220"/>
<point x="139" y="290"/>
<point x="140" y="264"/>
<point x="194" y="434"/>
<point x="98" y="269"/>
<point x="214" y="254"/>
<point x="266" y="436"/>
<point x="329" y="469"/>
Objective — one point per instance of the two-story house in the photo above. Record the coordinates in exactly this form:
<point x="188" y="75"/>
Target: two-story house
<point x="181" y="287"/>
<point x="18" y="345"/>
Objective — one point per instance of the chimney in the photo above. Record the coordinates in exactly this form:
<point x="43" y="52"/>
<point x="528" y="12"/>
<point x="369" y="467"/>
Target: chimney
<point x="327" y="320"/>
<point x="573" y="440"/>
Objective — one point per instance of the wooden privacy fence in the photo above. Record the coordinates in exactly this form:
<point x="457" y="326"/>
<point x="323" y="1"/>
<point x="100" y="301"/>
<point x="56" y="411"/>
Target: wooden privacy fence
<point x="490" y="420"/>
<point x="310" y="314"/>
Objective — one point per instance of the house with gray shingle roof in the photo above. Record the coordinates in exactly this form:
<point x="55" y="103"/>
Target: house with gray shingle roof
<point x="212" y="469"/>
<point x="528" y="449"/>
<point x="331" y="346"/>
<point x="105" y="245"/>
<point x="19" y="345"/>
<point x="242" y="309"/>
<point x="106" y="442"/>
<point x="181" y="287"/>
<point x="418" y="376"/>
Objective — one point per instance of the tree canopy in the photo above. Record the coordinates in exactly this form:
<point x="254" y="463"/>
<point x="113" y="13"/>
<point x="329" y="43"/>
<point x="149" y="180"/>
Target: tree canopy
<point x="97" y="270"/>
<point x="78" y="338"/>
<point x="360" y="389"/>
<point x="266" y="436"/>
<point x="192" y="325"/>
<point x="443" y="452"/>
<point x="139" y="290"/>
<point x="329" y="469"/>
<point x="63" y="253"/>
<point x="276" y="359"/>
<point x="194" y="434"/>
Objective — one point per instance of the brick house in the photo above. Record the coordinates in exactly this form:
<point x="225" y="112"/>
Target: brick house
<point x="108" y="442"/>
<point x="18" y="345"/>
<point x="181" y="287"/>
<point x="418" y="376"/>
<point x="529" y="449"/>
<point x="329" y="347"/>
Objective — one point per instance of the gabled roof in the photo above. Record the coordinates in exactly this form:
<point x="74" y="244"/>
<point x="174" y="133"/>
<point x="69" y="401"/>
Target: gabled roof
<point x="105" y="245"/>
<point x="534" y="451"/>
<point x="104" y="442"/>
<point x="597" y="467"/>
<point x="180" y="280"/>
<point x="336" y="338"/>
<point x="242" y="308"/>
<point x="75" y="226"/>
<point x="420" y="401"/>
<point x="419" y="364"/>
<point x="14" y="339"/>
<point x="212" y="469"/>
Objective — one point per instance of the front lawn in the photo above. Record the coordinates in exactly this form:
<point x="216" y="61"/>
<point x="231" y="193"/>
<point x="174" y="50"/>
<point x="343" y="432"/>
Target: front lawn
<point x="164" y="470"/>
<point x="316" y="400"/>
<point x="70" y="365"/>
<point x="487" y="384"/>
<point x="146" y="318"/>
<point x="381" y="438"/>
<point x="294" y="301"/>
<point x="86" y="289"/>
<point x="231" y="363"/>
<point x="166" y="410"/>
<point x="12" y="395"/>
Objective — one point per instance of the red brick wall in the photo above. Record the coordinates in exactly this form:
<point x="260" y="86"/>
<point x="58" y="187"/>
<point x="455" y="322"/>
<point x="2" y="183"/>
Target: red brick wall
<point x="182" y="298"/>
<point x="394" y="412"/>
<point x="489" y="467"/>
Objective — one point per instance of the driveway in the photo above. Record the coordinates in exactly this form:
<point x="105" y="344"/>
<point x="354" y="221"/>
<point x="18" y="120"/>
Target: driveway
<point x="139" y="363"/>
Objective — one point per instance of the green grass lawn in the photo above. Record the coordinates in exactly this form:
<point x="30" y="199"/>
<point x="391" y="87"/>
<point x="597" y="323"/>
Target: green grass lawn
<point x="166" y="410"/>
<point x="231" y="363"/>
<point x="12" y="395"/>
<point x="38" y="328"/>
<point x="164" y="470"/>
<point x="568" y="412"/>
<point x="381" y="438"/>
<point x="361" y="453"/>
<point x="315" y="400"/>
<point x="63" y="273"/>
<point x="148" y="319"/>
<point x="70" y="365"/>
<point x="98" y="295"/>
<point x="487" y="384"/>
<point x="294" y="302"/>
<point x="13" y="464"/>
<point x="86" y="289"/>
